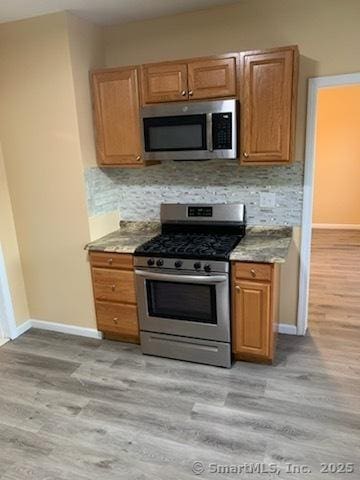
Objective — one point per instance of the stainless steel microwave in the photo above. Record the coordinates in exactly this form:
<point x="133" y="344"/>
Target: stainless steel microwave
<point x="190" y="130"/>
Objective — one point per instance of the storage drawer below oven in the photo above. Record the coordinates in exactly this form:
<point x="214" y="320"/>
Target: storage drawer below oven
<point x="184" y="348"/>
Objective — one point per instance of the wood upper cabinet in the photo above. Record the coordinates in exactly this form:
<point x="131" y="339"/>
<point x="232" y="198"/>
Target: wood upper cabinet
<point x="201" y="78"/>
<point x="116" y="116"/>
<point x="268" y="87"/>
<point x="212" y="78"/>
<point x="254" y="311"/>
<point x="164" y="82"/>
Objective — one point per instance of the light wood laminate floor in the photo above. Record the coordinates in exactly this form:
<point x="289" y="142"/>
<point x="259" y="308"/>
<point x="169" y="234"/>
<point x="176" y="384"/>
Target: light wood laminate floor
<point x="80" y="409"/>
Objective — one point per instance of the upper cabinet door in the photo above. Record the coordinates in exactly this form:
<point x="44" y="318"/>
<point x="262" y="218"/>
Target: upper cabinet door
<point x="164" y="82"/>
<point x="268" y="86"/>
<point x="212" y="78"/>
<point x="116" y="111"/>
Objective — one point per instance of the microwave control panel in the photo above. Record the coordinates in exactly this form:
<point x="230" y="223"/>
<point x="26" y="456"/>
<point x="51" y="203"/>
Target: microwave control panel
<point x="222" y="131"/>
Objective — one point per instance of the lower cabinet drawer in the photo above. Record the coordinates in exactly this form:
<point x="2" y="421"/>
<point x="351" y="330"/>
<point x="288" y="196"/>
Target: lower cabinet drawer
<point x="253" y="271"/>
<point x="117" y="318"/>
<point x="114" y="285"/>
<point x="111" y="260"/>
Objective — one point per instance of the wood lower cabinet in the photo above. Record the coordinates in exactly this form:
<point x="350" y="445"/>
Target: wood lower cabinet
<point x="118" y="319"/>
<point x="268" y="92"/>
<point x="114" y="293"/>
<point x="117" y="117"/>
<point x="254" y="311"/>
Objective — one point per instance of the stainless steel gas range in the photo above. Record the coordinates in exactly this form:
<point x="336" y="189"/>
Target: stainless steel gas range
<point x="182" y="281"/>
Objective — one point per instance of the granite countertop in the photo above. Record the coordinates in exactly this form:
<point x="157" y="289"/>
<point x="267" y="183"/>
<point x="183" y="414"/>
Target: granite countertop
<point x="264" y="245"/>
<point x="261" y="244"/>
<point x="125" y="240"/>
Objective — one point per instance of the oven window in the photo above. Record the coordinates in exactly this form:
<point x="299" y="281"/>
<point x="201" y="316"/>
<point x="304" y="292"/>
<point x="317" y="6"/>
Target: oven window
<point x="169" y="134"/>
<point x="182" y="301"/>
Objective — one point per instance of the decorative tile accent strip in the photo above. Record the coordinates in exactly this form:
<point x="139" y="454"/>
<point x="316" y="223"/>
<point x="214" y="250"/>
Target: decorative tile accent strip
<point x="138" y="193"/>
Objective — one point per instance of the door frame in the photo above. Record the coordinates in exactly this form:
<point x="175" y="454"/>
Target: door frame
<point x="8" y="326"/>
<point x="315" y="84"/>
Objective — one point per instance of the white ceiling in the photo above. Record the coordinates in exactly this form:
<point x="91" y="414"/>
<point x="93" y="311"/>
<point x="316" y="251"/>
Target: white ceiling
<point x="103" y="12"/>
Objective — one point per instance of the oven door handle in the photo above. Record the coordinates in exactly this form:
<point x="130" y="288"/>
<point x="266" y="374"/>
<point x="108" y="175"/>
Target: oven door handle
<point x="206" y="279"/>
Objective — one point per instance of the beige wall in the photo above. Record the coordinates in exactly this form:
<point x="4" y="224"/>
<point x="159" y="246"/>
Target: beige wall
<point x="86" y="52"/>
<point x="10" y="249"/>
<point x="327" y="32"/>
<point x="39" y="132"/>
<point x="337" y="166"/>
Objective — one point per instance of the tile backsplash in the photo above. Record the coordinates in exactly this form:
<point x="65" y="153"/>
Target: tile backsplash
<point x="137" y="193"/>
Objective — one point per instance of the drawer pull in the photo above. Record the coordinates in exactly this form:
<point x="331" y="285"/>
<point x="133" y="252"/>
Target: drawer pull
<point x="253" y="273"/>
<point x="110" y="261"/>
<point x="115" y="320"/>
<point x="113" y="287"/>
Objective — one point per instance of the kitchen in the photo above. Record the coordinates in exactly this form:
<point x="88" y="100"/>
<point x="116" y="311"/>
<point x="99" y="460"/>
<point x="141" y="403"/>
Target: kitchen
<point x="168" y="128"/>
<point x="81" y="201"/>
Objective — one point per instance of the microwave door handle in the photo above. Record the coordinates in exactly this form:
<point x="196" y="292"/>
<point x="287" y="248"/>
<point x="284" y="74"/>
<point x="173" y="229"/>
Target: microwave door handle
<point x="209" y="132"/>
<point x="206" y="279"/>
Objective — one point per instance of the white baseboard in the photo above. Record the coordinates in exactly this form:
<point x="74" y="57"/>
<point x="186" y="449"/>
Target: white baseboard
<point x="3" y="341"/>
<point x="20" y="329"/>
<point x="93" y="333"/>
<point x="287" y="329"/>
<point x="56" y="327"/>
<point x="337" y="226"/>
<point x="69" y="329"/>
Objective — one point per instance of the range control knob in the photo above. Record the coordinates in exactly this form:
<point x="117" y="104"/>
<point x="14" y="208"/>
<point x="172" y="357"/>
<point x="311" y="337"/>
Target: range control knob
<point x="197" y="265"/>
<point x="151" y="262"/>
<point x="160" y="262"/>
<point x="207" y="268"/>
<point x="178" y="263"/>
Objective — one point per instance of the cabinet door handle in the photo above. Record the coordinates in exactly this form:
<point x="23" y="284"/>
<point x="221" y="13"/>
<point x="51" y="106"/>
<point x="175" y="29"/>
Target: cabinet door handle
<point x="115" y="320"/>
<point x="237" y="288"/>
<point x="246" y="155"/>
<point x="191" y="93"/>
<point x="183" y="93"/>
<point x="110" y="261"/>
<point x="253" y="273"/>
<point x="113" y="287"/>
<point x="138" y="158"/>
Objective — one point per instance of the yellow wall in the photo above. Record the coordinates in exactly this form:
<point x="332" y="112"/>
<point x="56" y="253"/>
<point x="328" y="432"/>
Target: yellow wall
<point x="39" y="132"/>
<point x="10" y="249"/>
<point x="337" y="177"/>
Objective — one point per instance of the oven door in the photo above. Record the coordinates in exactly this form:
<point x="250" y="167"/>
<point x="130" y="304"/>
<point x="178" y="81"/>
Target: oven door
<point x="184" y="304"/>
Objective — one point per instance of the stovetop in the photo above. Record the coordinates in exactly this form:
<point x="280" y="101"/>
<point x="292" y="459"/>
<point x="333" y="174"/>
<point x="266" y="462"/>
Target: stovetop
<point x="203" y="246"/>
